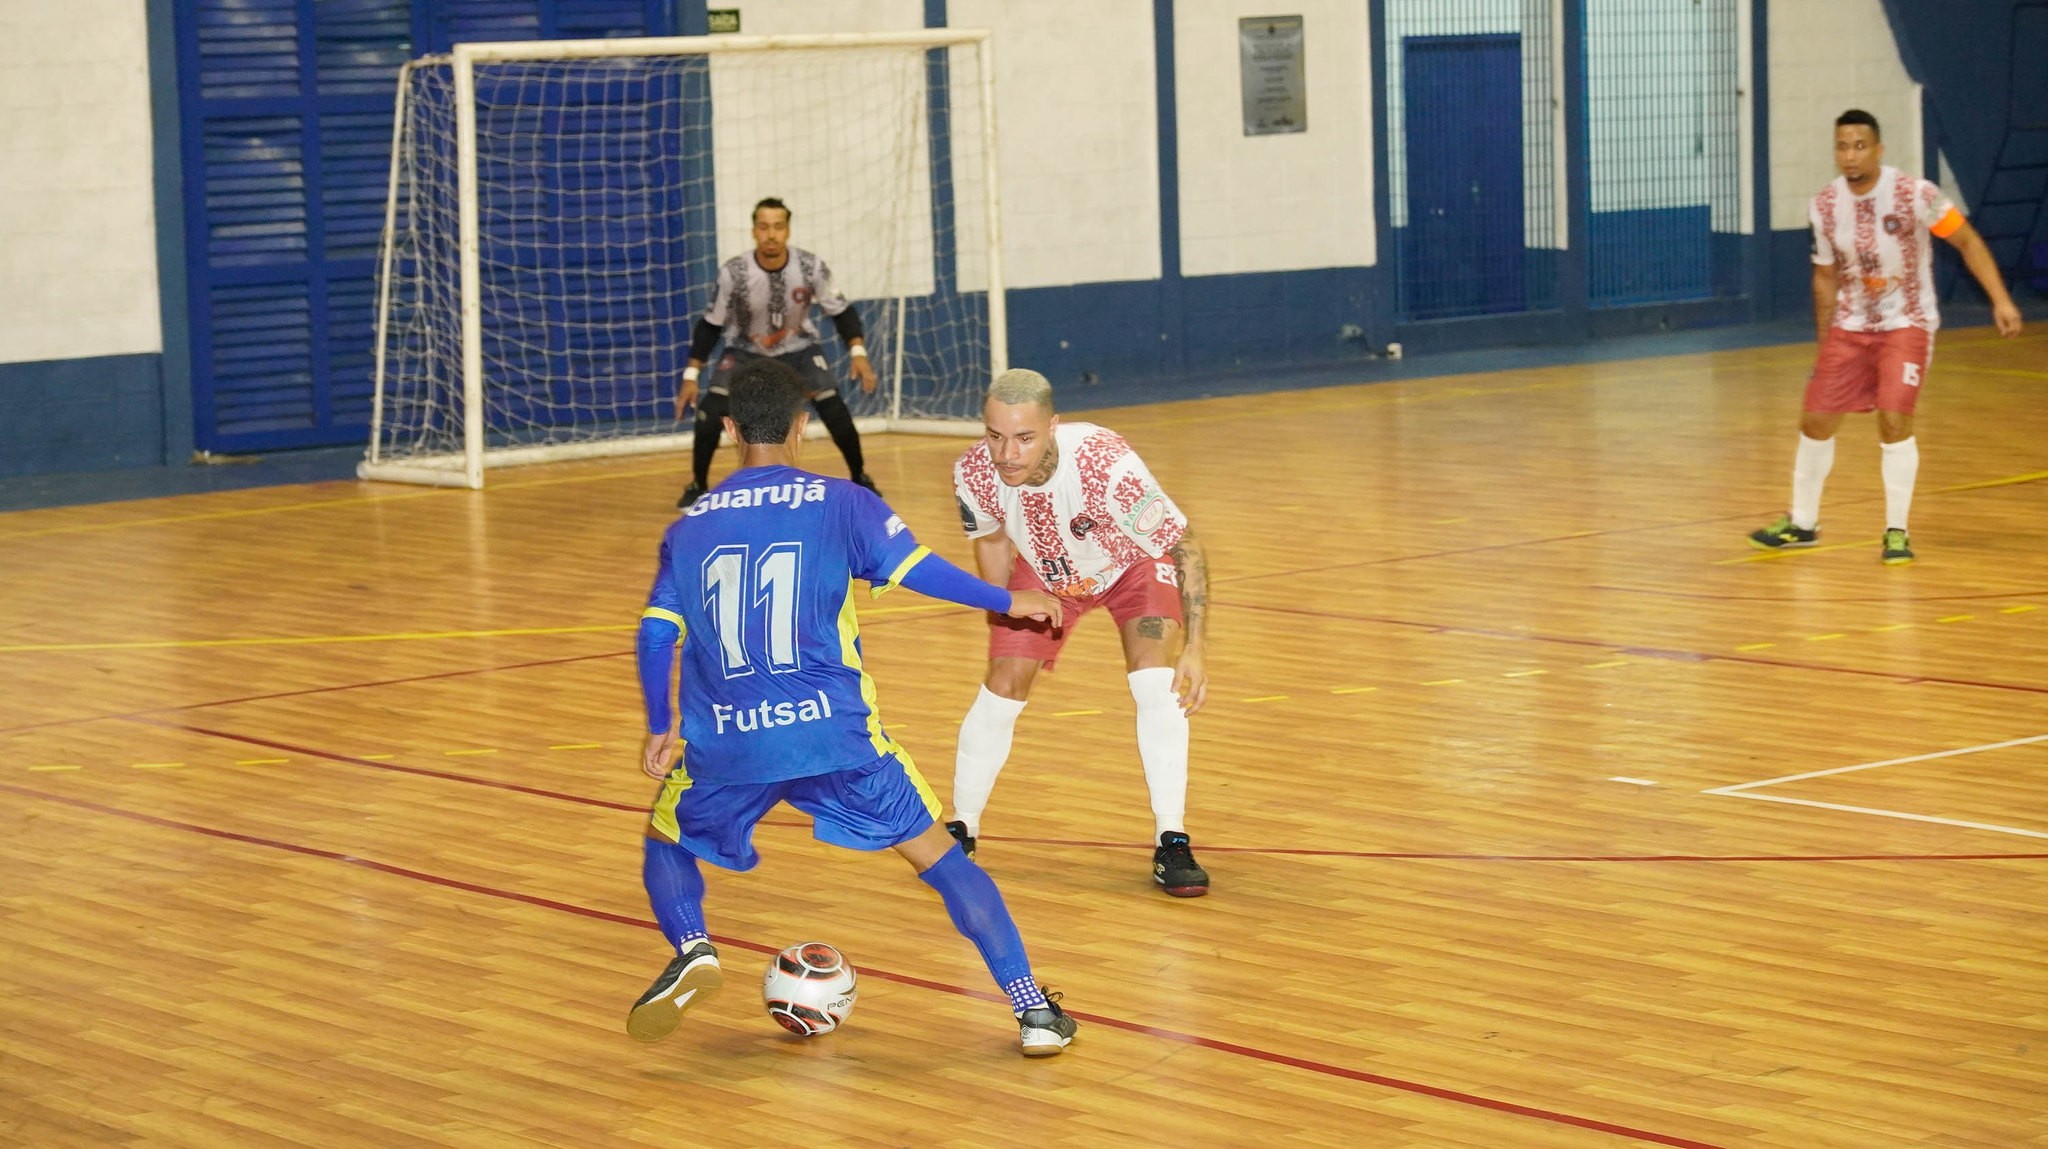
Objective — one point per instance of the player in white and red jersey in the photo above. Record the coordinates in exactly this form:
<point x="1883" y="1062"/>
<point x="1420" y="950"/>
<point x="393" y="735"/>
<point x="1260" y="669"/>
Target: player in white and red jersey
<point x="1874" y="310"/>
<point x="1070" y="508"/>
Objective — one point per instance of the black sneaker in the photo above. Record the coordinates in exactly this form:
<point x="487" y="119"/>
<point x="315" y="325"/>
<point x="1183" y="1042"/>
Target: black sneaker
<point x="864" y="481"/>
<point x="693" y="977"/>
<point x="1046" y="1030"/>
<point x="691" y="494"/>
<point x="960" y="835"/>
<point x="1782" y="534"/>
<point x="1175" y="869"/>
<point x="1896" y="549"/>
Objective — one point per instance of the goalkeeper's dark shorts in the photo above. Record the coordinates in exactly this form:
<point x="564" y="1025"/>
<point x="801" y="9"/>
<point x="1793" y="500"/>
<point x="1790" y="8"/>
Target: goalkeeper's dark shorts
<point x="810" y="365"/>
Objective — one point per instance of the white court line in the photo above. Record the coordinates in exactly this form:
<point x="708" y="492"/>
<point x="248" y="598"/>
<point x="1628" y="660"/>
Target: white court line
<point x="1889" y="814"/>
<point x="1874" y="765"/>
<point x="1742" y="789"/>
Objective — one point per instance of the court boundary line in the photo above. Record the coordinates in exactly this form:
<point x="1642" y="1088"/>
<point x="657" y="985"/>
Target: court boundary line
<point x="1272" y="1057"/>
<point x="1748" y="789"/>
<point x="1262" y="851"/>
<point x="1669" y="654"/>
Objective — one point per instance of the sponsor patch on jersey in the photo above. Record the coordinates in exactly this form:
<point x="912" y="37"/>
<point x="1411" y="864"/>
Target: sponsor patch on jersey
<point x="1894" y="224"/>
<point x="1148" y="514"/>
<point x="1080" y="526"/>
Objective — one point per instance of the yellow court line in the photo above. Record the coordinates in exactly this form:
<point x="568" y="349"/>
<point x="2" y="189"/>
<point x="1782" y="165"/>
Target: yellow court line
<point x="156" y="765"/>
<point x="376" y="757"/>
<point x="1891" y="627"/>
<point x="1444" y="682"/>
<point x="1791" y="551"/>
<point x="579" y="746"/>
<point x="466" y="753"/>
<point x="313" y="639"/>
<point x="1606" y="665"/>
<point x="1957" y="618"/>
<point x="261" y="761"/>
<point x="1826" y="637"/>
<point x="2033" y="477"/>
<point x="206" y="516"/>
<point x="1523" y="673"/>
<point x="1353" y="689"/>
<point x="41" y="769"/>
<point x="2014" y="371"/>
<point x="403" y="636"/>
<point x="1756" y="646"/>
<point x="1266" y="698"/>
<point x="2020" y="609"/>
<point x="1068" y="714"/>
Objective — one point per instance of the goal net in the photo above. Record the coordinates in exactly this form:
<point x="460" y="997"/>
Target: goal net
<point x="558" y="212"/>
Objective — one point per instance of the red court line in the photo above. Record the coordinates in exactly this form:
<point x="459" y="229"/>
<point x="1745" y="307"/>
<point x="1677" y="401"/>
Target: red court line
<point x="1396" y="1083"/>
<point x="1486" y="547"/>
<point x="1638" y="651"/>
<point x="314" y="690"/>
<point x="1402" y="856"/>
<point x="397" y="768"/>
<point x="1658" y="593"/>
<point x="865" y="627"/>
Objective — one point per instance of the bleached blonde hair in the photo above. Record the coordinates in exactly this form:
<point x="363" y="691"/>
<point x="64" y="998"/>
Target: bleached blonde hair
<point x="1021" y="385"/>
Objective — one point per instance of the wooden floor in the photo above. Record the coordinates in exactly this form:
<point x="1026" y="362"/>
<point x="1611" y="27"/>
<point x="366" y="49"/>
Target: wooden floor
<point x="1541" y="810"/>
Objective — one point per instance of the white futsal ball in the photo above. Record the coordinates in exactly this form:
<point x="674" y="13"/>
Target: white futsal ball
<point x="809" y="989"/>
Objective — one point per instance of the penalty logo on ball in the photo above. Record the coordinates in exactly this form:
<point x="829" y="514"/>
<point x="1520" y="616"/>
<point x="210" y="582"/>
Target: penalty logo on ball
<point x="809" y="989"/>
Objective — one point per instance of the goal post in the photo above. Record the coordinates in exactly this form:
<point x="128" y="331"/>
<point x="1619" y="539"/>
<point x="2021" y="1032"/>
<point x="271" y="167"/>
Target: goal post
<point x="556" y="213"/>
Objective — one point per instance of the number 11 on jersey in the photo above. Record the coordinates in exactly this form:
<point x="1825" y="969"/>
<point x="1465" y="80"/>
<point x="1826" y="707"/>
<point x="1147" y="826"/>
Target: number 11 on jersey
<point x="738" y="587"/>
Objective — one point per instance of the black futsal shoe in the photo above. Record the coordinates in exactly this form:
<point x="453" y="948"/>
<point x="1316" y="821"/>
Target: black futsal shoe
<point x="1175" y="869"/>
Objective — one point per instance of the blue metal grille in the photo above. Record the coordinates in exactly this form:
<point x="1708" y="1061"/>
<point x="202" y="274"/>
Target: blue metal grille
<point x="1663" y="153"/>
<point x="1473" y="183"/>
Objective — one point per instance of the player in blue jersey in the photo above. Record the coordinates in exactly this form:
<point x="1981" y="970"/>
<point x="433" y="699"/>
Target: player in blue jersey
<point x="757" y="584"/>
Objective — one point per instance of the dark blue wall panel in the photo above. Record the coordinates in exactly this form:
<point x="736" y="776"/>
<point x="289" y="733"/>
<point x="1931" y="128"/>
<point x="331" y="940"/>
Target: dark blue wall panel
<point x="81" y="414"/>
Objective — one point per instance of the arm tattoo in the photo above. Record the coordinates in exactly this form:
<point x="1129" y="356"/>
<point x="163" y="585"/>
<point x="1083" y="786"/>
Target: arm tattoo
<point x="1194" y="585"/>
<point x="1152" y="627"/>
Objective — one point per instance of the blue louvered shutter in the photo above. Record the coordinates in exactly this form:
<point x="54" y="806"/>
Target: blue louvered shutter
<point x="286" y="108"/>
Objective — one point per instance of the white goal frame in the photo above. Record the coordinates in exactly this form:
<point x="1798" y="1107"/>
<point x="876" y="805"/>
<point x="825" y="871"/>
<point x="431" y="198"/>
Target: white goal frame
<point x="467" y="468"/>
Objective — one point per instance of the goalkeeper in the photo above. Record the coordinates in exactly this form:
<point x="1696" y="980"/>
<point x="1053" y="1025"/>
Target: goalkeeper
<point x="762" y="307"/>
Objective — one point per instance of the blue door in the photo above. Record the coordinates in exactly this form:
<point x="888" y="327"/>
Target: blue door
<point x="1462" y="97"/>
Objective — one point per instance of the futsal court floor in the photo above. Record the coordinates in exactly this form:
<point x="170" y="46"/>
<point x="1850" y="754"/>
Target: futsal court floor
<point x="1541" y="810"/>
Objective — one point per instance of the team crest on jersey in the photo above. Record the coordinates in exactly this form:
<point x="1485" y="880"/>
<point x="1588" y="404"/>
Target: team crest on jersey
<point x="800" y="296"/>
<point x="894" y="526"/>
<point x="1894" y="224"/>
<point x="1081" y="525"/>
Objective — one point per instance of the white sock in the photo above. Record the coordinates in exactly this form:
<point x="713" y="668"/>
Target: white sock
<point x="1901" y="466"/>
<point x="985" y="736"/>
<point x="1810" y="469"/>
<point x="1162" y="746"/>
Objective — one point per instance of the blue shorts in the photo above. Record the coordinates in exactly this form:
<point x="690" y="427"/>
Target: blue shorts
<point x="869" y="807"/>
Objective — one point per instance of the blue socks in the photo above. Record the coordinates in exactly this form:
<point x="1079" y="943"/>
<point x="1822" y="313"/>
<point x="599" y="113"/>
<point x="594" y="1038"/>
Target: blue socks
<point x="675" y="888"/>
<point x="977" y="909"/>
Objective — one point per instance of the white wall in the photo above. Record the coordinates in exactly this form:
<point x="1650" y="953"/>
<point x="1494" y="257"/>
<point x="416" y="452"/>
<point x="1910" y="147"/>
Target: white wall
<point x="1078" y="136"/>
<point x="1278" y="202"/>
<point x="1828" y="56"/>
<point x="77" y="218"/>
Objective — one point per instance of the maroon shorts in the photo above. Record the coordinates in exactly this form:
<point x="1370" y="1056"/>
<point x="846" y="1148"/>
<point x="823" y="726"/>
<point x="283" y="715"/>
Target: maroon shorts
<point x="1148" y="589"/>
<point x="1869" y="370"/>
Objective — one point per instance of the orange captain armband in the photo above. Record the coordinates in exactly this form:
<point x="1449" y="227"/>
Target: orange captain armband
<point x="1950" y="222"/>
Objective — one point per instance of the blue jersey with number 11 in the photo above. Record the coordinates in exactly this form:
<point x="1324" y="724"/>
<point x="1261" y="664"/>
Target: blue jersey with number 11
<point x="759" y="576"/>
